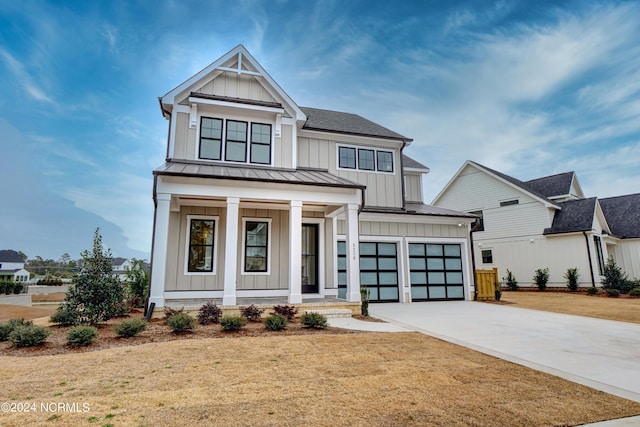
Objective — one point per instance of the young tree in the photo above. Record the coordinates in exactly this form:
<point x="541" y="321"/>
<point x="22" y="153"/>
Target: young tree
<point x="98" y="294"/>
<point x="138" y="281"/>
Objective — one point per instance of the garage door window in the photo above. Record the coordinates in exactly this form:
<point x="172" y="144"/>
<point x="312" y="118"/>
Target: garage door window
<point x="435" y="271"/>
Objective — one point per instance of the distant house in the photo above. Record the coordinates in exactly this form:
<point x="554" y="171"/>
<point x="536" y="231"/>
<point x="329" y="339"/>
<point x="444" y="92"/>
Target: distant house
<point x="544" y="223"/>
<point x="12" y="266"/>
<point x="120" y="267"/>
<point x="261" y="198"/>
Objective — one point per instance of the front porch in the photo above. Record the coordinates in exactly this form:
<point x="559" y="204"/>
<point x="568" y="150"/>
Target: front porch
<point x="329" y="306"/>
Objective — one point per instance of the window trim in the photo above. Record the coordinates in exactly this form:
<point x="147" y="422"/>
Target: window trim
<point x="252" y="143"/>
<point x="374" y="154"/>
<point x="222" y="130"/>
<point x="243" y="272"/>
<point x="378" y="152"/>
<point x="223" y="142"/>
<point x="356" y="150"/>
<point x="227" y="140"/>
<point x="214" y="255"/>
<point x="355" y="158"/>
<point x="510" y="202"/>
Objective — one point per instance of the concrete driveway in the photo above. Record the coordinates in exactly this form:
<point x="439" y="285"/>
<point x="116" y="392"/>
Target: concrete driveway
<point x="602" y="354"/>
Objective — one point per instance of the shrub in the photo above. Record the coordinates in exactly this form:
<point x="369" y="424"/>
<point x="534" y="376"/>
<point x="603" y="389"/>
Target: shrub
<point x="232" y="323"/>
<point x="613" y="292"/>
<point x="314" y="320"/>
<point x="251" y="313"/>
<point x="8" y="287"/>
<point x="28" y="335"/>
<point x="81" y="336"/>
<point x="169" y="312"/>
<point x="209" y="313"/>
<point x="635" y="292"/>
<point x="137" y="282"/>
<point x="572" y="278"/>
<point x="511" y="281"/>
<point x="287" y="311"/>
<point x="498" y="291"/>
<point x="98" y="293"/>
<point x="592" y="290"/>
<point x="181" y="322"/>
<point x="130" y="328"/>
<point x="7" y="328"/>
<point x="17" y="288"/>
<point x="64" y="316"/>
<point x="615" y="278"/>
<point x="275" y="322"/>
<point x="541" y="277"/>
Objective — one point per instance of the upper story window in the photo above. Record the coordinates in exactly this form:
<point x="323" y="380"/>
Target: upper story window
<point x="509" y="202"/>
<point x="365" y="159"/>
<point x="242" y="141"/>
<point x="478" y="224"/>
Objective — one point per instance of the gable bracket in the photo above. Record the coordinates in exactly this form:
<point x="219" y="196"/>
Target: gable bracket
<point x="239" y="70"/>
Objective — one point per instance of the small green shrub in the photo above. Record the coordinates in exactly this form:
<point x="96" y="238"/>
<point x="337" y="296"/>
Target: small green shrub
<point x="7" y="328"/>
<point x="209" y="313"/>
<point x="81" y="336"/>
<point x="572" y="278"/>
<point x="541" y="277"/>
<point x="592" y="290"/>
<point x="28" y="335"/>
<point x="635" y="292"/>
<point x="64" y="316"/>
<point x="181" y="322"/>
<point x="615" y="278"/>
<point x="130" y="328"/>
<point x="8" y="287"/>
<point x="613" y="293"/>
<point x="511" y="281"/>
<point x="314" y="320"/>
<point x="232" y="323"/>
<point x="17" y="288"/>
<point x="288" y="311"/>
<point x="3" y="285"/>
<point x="168" y="312"/>
<point x="275" y="322"/>
<point x="251" y="313"/>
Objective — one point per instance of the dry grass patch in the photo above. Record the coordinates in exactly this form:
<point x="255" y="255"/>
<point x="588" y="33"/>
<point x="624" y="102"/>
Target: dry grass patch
<point x="8" y="311"/>
<point x="580" y="304"/>
<point x="361" y="379"/>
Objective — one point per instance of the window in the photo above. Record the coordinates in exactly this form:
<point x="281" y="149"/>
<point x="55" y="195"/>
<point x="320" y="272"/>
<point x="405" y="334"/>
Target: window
<point x="385" y="161"/>
<point x="236" y="147"/>
<point x="487" y="256"/>
<point x="260" y="143"/>
<point x="598" y="243"/>
<point x="366" y="160"/>
<point x="200" y="245"/>
<point x="256" y="246"/>
<point x="435" y="271"/>
<point x="210" y="138"/>
<point x="478" y="224"/>
<point x="347" y="157"/>
<point x="509" y="203"/>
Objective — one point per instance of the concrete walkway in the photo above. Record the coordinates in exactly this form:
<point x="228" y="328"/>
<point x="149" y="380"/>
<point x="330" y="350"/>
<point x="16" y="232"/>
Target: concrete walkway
<point x="601" y="354"/>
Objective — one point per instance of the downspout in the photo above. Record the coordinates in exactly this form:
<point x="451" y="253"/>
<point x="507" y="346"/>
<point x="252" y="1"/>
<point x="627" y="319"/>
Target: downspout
<point x="586" y="239"/>
<point x="473" y="259"/>
<point x="361" y="200"/>
<point x="153" y="243"/>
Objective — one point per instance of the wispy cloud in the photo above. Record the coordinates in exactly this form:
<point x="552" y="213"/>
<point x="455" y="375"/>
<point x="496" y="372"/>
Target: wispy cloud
<point x="24" y="79"/>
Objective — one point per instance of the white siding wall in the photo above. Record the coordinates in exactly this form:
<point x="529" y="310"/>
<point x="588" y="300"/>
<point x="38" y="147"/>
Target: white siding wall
<point x="383" y="189"/>
<point x="232" y="85"/>
<point x="413" y="188"/>
<point x="403" y="229"/>
<point x="627" y="255"/>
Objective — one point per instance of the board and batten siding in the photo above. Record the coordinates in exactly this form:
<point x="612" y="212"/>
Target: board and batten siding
<point x="413" y="188"/>
<point x="185" y="138"/>
<point x="383" y="189"/>
<point x="626" y="252"/>
<point x="236" y="86"/>
<point x="406" y="229"/>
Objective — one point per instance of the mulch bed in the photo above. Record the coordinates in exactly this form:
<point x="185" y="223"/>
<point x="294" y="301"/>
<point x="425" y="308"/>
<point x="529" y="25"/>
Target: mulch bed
<point x="157" y="331"/>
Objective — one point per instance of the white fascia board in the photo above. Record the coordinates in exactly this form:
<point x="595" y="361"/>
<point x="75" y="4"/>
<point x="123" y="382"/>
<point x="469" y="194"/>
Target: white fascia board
<point x="599" y="216"/>
<point x="247" y="190"/>
<point x="235" y="105"/>
<point x="416" y="170"/>
<point x="353" y="139"/>
<point x="415" y="218"/>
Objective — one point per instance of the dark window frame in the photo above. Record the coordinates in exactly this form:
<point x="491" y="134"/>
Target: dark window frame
<point x="487" y="256"/>
<point x="509" y="203"/>
<point x="201" y="245"/>
<point x="202" y="138"/>
<point x="597" y="241"/>
<point x="480" y="220"/>
<point x="444" y="270"/>
<point x="253" y="143"/>
<point x="373" y="159"/>
<point x="355" y="157"/>
<point x="227" y="140"/>
<point x="390" y="153"/>
<point x="247" y="246"/>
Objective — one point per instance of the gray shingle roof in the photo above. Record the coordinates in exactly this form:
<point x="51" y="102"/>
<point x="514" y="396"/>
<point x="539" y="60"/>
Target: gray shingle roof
<point x="9" y="255"/>
<point x="554" y="185"/>
<point x="408" y="162"/>
<point x="574" y="216"/>
<point x="623" y="215"/>
<point x="117" y="261"/>
<point x="314" y="177"/>
<point x="347" y="123"/>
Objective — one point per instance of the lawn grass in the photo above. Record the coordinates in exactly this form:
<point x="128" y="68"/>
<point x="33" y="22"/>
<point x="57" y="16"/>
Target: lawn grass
<point x="580" y="304"/>
<point x="362" y="379"/>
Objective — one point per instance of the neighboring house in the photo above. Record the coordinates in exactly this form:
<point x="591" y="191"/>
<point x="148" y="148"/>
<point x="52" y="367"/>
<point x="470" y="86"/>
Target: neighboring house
<point x="260" y="197"/>
<point x="12" y="266"/>
<point x="120" y="267"/>
<point x="544" y="223"/>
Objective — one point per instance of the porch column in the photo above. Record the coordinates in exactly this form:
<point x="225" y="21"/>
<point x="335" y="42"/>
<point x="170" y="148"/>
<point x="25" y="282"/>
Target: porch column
<point x="160" y="243"/>
<point x="353" y="253"/>
<point x="231" y="252"/>
<point x="295" y="252"/>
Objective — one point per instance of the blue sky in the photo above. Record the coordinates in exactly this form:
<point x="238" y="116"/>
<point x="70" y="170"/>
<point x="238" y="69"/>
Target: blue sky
<point x="528" y="88"/>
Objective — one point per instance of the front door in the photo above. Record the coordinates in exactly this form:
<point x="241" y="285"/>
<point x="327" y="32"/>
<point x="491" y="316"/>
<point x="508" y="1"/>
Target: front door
<point x="309" y="258"/>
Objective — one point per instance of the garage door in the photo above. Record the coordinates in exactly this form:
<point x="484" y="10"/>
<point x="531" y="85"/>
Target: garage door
<point x="435" y="272"/>
<point x="378" y="270"/>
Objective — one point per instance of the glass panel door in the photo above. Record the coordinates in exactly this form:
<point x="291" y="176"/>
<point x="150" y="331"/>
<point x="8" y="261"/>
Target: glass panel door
<point x="309" y="258"/>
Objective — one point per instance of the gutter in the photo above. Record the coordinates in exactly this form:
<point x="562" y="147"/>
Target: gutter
<point x="473" y="259"/>
<point x="153" y="243"/>
<point x="165" y="113"/>
<point x="586" y="239"/>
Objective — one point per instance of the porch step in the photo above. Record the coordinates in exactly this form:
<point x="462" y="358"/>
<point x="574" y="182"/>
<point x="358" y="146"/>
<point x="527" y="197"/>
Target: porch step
<point x="333" y="312"/>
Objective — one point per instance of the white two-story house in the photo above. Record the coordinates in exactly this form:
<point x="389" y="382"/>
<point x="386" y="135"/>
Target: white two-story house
<point x="262" y="198"/>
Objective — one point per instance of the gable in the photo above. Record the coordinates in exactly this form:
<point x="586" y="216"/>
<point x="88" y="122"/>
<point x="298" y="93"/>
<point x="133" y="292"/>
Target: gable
<point x="236" y="76"/>
<point x="560" y="186"/>
<point x="623" y="215"/>
<point x="574" y="216"/>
